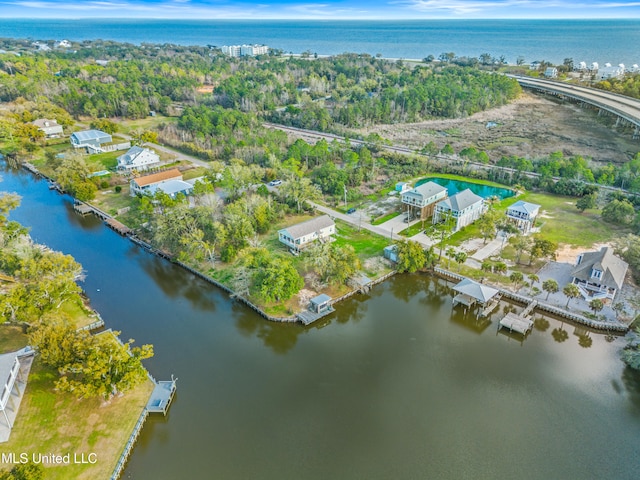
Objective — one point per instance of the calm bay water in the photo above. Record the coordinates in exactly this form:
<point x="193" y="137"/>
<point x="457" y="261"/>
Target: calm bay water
<point x="393" y="385"/>
<point x="614" y="41"/>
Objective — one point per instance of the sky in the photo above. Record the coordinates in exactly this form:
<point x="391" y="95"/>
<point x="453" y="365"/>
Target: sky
<point x="330" y="9"/>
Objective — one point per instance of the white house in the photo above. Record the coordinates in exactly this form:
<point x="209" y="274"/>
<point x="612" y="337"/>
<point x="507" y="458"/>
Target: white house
<point x="302" y="234"/>
<point x="610" y="71"/>
<point x="231" y="50"/>
<point x="50" y="128"/>
<point x="138" y="158"/>
<point x="423" y="199"/>
<point x="523" y="214"/>
<point x="464" y="208"/>
<point x="149" y="183"/>
<point x="551" y="72"/>
<point x="599" y="274"/>
<point x="63" y="44"/>
<point x="92" y="140"/>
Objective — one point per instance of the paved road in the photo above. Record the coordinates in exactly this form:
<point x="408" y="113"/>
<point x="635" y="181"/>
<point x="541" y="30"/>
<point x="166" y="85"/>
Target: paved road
<point x="626" y="107"/>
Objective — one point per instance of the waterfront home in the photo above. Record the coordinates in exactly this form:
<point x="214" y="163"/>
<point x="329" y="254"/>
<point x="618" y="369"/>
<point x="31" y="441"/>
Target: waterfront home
<point x="523" y="214"/>
<point x="138" y="158"/>
<point x="149" y="183"/>
<point x="463" y="208"/>
<point x="91" y="140"/>
<point x="609" y="71"/>
<point x="551" y="72"/>
<point x="14" y="370"/>
<point x="50" y="128"/>
<point x="599" y="274"/>
<point x="302" y="234"/>
<point x="421" y="200"/>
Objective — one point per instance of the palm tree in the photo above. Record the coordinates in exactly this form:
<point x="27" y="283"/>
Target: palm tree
<point x="460" y="258"/>
<point x="550" y="286"/>
<point x="533" y="278"/>
<point x="596" y="305"/>
<point x="571" y="291"/>
<point x="516" y="278"/>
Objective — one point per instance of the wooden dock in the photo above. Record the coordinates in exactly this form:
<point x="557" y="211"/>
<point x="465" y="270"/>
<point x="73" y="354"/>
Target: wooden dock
<point x="516" y="323"/>
<point x="521" y="323"/>
<point x="82" y="208"/>
<point x="307" y="317"/>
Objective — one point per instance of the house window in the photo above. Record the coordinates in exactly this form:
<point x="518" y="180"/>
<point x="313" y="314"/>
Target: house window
<point x="596" y="273"/>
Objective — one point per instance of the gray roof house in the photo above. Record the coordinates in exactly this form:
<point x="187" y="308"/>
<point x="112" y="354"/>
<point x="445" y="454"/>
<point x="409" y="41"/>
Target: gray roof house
<point x="423" y="198"/>
<point x="138" y="158"/>
<point x="92" y="140"/>
<point x="463" y="208"/>
<point x="50" y="128"/>
<point x="599" y="274"/>
<point x="299" y="235"/>
<point x="523" y="214"/>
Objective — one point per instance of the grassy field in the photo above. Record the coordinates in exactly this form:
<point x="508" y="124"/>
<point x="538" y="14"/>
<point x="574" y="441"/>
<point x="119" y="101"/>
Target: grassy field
<point x="562" y="222"/>
<point x="49" y="421"/>
<point x="149" y="123"/>
<point x="12" y="338"/>
<point x="58" y="422"/>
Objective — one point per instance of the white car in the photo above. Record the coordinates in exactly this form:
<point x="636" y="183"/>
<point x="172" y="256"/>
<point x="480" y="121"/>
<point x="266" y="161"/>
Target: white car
<point x="275" y="183"/>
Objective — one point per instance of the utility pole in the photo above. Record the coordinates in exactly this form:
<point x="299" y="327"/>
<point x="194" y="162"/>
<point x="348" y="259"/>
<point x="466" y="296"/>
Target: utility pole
<point x="345" y="195"/>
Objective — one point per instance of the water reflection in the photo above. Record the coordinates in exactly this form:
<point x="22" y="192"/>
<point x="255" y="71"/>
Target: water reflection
<point x="176" y="282"/>
<point x="559" y="334"/>
<point x="631" y="382"/>
<point x="541" y="324"/>
<point x="470" y="318"/>
<point x="279" y="337"/>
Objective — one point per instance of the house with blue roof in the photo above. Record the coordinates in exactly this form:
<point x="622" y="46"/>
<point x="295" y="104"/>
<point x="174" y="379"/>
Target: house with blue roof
<point x="523" y="215"/>
<point x="91" y="140"/>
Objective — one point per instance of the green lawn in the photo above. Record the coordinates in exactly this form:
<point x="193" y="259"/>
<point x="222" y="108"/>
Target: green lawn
<point x="12" y="338"/>
<point x="562" y="222"/>
<point x="49" y="421"/>
<point x="385" y="218"/>
<point x="365" y="243"/>
<point x="414" y="229"/>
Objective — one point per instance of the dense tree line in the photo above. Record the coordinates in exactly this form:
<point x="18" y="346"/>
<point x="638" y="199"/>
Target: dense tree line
<point x="41" y="282"/>
<point x="629" y="85"/>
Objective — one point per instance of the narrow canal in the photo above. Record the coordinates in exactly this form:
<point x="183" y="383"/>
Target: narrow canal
<point x="391" y="386"/>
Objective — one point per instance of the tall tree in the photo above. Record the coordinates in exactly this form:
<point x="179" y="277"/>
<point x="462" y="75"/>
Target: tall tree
<point x="570" y="291"/>
<point x="550" y="286"/>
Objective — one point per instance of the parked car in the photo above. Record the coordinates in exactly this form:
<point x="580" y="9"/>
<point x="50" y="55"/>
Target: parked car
<point x="351" y="210"/>
<point x="275" y="183"/>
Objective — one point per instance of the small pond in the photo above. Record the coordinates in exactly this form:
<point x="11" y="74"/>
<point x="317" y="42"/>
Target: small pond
<point x="455" y="186"/>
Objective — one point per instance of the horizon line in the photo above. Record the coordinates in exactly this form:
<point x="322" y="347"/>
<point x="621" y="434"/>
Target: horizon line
<point x="372" y="19"/>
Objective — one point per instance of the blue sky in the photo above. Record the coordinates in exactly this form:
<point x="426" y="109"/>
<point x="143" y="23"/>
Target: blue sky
<point x="330" y="9"/>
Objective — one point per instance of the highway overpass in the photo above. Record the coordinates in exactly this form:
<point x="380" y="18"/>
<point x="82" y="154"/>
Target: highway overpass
<point x="625" y="108"/>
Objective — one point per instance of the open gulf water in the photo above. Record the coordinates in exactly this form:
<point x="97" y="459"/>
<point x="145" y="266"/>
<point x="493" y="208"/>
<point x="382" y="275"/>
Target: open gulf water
<point x="394" y="385"/>
<point x="613" y="41"/>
